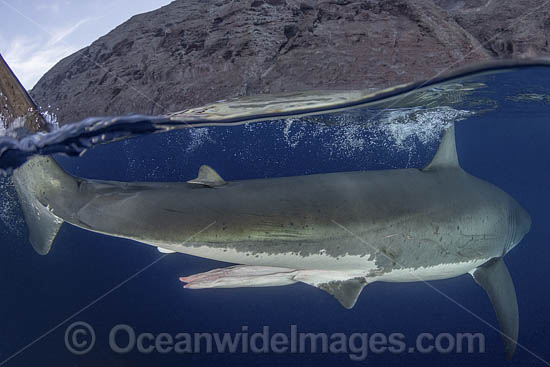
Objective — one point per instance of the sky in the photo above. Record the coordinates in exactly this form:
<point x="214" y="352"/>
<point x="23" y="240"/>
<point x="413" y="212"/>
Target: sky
<point x="36" y="34"/>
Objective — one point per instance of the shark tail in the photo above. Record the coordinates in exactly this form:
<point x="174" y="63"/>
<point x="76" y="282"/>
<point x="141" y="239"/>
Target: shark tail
<point x="40" y="182"/>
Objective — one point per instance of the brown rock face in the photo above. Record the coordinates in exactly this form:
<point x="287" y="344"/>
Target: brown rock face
<point x="505" y="28"/>
<point x="192" y="52"/>
<point x="15" y="103"/>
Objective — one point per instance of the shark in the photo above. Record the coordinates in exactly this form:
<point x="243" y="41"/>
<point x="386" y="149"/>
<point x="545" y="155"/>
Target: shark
<point x="336" y="231"/>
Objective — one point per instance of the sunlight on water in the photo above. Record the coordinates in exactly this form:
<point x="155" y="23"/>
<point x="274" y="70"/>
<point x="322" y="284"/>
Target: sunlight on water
<point x="345" y="135"/>
<point x="198" y="136"/>
<point x="49" y="117"/>
<point x="349" y="134"/>
<point x="425" y="124"/>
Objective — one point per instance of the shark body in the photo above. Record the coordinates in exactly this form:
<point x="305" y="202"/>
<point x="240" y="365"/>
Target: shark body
<point x="376" y="222"/>
<point x="336" y="231"/>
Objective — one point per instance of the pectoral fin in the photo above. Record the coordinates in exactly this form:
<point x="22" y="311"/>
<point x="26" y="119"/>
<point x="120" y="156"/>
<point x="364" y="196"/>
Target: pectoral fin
<point x="494" y="277"/>
<point x="345" y="291"/>
<point x="346" y="288"/>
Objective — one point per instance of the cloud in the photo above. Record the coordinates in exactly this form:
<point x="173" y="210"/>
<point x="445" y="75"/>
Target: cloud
<point x="53" y="7"/>
<point x="62" y="33"/>
<point x="30" y="58"/>
<point x="32" y="50"/>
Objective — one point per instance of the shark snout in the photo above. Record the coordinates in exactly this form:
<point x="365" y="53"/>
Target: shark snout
<point x="524" y="221"/>
<point x="519" y="224"/>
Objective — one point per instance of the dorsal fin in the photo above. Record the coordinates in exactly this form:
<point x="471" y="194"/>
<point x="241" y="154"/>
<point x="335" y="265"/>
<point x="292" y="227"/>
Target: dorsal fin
<point x="446" y="156"/>
<point x="208" y="177"/>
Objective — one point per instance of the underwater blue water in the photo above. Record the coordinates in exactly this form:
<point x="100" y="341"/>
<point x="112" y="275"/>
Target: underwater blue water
<point x="506" y="145"/>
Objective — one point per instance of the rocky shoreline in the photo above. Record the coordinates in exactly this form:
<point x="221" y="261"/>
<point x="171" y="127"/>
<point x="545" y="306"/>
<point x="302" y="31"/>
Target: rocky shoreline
<point x="193" y="52"/>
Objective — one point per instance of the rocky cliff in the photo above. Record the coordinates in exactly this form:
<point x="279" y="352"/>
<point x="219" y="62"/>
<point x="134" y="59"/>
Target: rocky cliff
<point x="192" y="52"/>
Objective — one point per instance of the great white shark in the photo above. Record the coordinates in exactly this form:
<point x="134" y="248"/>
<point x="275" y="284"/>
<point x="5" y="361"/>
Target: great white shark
<point x="335" y="231"/>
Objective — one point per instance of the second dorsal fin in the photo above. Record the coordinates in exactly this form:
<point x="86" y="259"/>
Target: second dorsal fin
<point x="208" y="177"/>
<point x="446" y="156"/>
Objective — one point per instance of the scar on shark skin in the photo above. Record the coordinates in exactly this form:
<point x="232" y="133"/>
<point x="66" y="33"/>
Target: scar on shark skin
<point x="390" y="235"/>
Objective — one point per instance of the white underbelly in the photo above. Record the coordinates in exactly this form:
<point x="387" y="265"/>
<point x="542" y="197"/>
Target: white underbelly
<point x="441" y="271"/>
<point x="355" y="265"/>
<point x="294" y="260"/>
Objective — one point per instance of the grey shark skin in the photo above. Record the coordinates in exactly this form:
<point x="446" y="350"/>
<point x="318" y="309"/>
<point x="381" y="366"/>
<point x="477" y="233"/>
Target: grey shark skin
<point x="336" y="231"/>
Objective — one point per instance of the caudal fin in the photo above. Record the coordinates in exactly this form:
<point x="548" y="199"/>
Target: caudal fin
<point x="41" y="184"/>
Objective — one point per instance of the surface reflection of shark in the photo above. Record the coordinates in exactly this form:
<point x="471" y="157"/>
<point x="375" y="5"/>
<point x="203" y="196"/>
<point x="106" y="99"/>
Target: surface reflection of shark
<point x="335" y="231"/>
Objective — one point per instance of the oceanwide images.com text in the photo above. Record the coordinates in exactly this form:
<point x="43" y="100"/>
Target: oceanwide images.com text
<point x="80" y="338"/>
